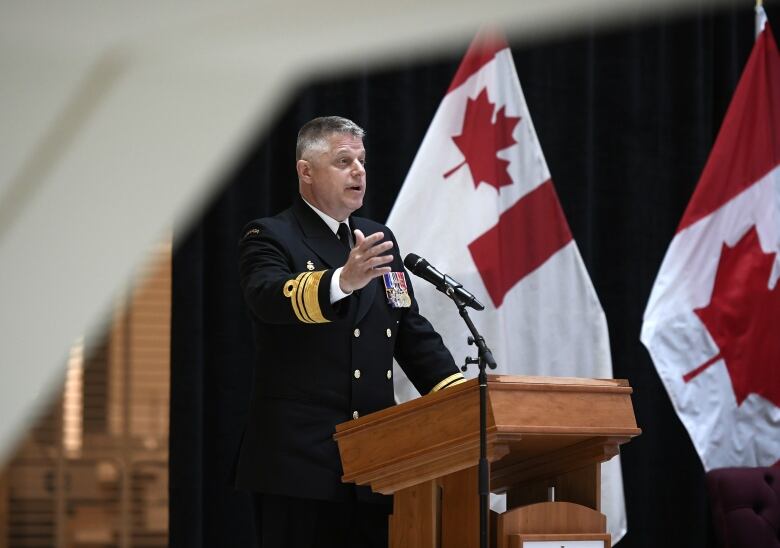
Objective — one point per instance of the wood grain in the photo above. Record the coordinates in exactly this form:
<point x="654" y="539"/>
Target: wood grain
<point x="416" y="517"/>
<point x="541" y="432"/>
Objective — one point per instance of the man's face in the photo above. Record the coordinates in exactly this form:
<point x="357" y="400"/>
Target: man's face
<point x="334" y="181"/>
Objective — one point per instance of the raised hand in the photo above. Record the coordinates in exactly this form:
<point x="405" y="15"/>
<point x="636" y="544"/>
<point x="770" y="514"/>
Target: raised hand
<point x="365" y="261"/>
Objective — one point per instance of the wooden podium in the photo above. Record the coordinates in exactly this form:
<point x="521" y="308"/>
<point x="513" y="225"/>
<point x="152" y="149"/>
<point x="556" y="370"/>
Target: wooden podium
<point x="542" y="433"/>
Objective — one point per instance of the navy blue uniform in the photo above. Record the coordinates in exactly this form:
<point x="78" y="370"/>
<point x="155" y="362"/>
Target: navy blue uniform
<point x="319" y="364"/>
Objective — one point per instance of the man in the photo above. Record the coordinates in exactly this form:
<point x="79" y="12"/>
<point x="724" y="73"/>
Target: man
<point x="331" y="305"/>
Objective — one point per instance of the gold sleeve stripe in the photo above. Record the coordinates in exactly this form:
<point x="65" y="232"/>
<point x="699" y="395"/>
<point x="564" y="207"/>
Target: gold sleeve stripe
<point x="290" y="291"/>
<point x="299" y="296"/>
<point x="303" y="293"/>
<point x="455" y="383"/>
<point x="448" y="380"/>
<point x="311" y="296"/>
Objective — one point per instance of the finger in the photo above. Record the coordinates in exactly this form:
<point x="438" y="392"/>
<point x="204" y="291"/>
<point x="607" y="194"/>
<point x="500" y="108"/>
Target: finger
<point x="371" y="240"/>
<point x="359" y="237"/>
<point x="368" y="259"/>
<point x="380" y="271"/>
<point x="377" y="262"/>
<point x="377" y="249"/>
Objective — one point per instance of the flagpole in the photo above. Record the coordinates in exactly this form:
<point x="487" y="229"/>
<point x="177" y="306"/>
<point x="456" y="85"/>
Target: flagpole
<point x="485" y="359"/>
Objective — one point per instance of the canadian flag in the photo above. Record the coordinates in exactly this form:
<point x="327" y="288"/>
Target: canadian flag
<point x="479" y="204"/>
<point x="710" y="321"/>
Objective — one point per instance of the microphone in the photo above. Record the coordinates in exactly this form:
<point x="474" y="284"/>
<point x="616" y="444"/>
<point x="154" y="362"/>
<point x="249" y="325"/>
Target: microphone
<point x="422" y="268"/>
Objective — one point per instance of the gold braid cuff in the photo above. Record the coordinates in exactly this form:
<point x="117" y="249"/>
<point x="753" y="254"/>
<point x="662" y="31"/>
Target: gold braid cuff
<point x="303" y="293"/>
<point x="452" y="380"/>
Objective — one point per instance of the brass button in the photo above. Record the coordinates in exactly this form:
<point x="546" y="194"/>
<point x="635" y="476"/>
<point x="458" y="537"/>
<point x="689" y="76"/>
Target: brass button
<point x="355" y="414"/>
<point x="389" y="333"/>
<point x="389" y="373"/>
<point x="357" y="332"/>
<point x="357" y="373"/>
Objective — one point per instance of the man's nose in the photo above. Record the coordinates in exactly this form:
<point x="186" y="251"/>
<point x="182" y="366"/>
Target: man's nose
<point x="358" y="167"/>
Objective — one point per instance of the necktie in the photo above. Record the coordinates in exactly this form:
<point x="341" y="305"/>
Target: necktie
<point x="343" y="234"/>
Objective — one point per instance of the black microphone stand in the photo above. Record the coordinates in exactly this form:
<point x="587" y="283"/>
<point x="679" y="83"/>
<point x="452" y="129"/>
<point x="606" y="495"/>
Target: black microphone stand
<point x="484" y="359"/>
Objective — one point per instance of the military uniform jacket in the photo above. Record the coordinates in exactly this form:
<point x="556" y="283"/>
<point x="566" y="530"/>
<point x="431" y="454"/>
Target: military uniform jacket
<point x="319" y="364"/>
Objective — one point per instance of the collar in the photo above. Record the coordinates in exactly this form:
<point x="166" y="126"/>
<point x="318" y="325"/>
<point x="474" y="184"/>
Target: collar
<point x="332" y="223"/>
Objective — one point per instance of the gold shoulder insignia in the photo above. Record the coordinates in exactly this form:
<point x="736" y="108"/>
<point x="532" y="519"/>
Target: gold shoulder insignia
<point x="251" y="232"/>
<point x="303" y="293"/>
<point x="309" y="265"/>
<point x="452" y="380"/>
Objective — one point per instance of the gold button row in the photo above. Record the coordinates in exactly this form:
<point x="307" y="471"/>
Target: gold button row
<point x="389" y="373"/>
<point x="356" y="332"/>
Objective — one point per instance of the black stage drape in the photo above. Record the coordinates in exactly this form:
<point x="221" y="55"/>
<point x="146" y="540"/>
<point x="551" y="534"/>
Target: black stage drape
<point x="626" y="118"/>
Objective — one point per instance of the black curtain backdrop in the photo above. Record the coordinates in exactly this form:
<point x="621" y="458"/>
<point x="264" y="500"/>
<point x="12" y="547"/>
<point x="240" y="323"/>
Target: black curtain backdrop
<point x="626" y="118"/>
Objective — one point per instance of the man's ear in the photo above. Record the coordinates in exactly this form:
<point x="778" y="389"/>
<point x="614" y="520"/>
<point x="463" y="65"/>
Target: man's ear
<point x="303" y="167"/>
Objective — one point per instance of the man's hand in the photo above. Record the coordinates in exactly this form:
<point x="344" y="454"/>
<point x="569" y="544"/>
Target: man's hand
<point x="365" y="262"/>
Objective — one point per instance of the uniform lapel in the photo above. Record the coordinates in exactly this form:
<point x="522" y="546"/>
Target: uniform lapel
<point x="318" y="237"/>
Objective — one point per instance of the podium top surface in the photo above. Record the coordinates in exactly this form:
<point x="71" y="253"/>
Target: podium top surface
<point x="573" y="381"/>
<point x="516" y="383"/>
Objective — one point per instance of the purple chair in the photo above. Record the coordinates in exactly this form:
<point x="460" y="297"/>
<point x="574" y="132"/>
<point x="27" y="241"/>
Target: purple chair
<point x="746" y="506"/>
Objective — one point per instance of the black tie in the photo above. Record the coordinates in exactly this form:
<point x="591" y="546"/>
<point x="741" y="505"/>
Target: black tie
<point x="343" y="234"/>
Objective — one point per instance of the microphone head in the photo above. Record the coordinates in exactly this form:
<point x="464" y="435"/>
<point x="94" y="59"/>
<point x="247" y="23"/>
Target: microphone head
<point x="413" y="262"/>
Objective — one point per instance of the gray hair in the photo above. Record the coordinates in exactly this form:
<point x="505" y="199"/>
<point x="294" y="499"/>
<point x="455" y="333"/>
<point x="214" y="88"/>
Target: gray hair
<point x="314" y="133"/>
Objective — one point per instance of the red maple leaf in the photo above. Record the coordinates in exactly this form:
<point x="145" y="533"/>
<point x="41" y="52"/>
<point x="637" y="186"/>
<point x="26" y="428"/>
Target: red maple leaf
<point x="741" y="319"/>
<point x="480" y="140"/>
